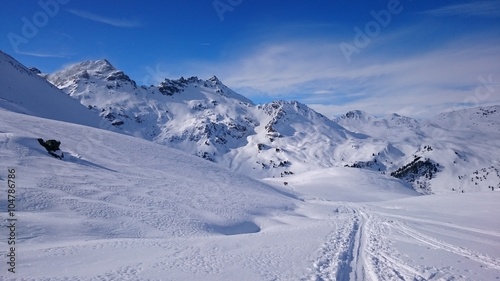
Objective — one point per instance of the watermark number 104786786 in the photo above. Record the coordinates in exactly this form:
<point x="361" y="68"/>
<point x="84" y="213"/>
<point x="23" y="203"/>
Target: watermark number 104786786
<point x="11" y="220"/>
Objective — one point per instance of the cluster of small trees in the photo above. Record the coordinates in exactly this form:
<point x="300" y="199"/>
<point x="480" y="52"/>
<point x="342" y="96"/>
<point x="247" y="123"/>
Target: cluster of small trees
<point x="415" y="169"/>
<point x="482" y="175"/>
<point x="367" y="164"/>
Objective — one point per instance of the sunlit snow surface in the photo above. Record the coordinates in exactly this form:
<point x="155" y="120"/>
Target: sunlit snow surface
<point x="121" y="208"/>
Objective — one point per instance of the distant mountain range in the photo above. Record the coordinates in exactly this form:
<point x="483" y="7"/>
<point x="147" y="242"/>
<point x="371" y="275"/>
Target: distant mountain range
<point x="451" y="152"/>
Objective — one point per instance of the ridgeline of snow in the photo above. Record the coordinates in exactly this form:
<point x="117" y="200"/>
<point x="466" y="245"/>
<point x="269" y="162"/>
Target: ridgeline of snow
<point x="23" y="91"/>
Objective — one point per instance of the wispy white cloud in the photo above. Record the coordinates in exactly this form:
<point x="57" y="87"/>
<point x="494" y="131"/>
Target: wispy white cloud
<point x="316" y="73"/>
<point x="42" y="54"/>
<point x="105" y="20"/>
<point x="472" y="9"/>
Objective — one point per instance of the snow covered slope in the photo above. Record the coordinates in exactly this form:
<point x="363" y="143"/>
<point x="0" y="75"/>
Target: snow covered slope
<point x="122" y="208"/>
<point x="467" y="145"/>
<point x="117" y="192"/>
<point x="22" y="90"/>
<point x="337" y="184"/>
<point x="101" y="171"/>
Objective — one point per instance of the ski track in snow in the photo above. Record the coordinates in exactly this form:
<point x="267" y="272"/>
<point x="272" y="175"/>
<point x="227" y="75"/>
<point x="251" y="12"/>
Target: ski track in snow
<point x="445" y="224"/>
<point x="358" y="249"/>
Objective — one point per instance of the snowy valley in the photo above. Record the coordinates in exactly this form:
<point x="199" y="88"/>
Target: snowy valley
<point x="188" y="180"/>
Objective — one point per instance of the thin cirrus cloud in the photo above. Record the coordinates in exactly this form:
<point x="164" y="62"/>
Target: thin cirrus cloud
<point x="105" y="20"/>
<point x="473" y="9"/>
<point x="416" y="85"/>
<point x="42" y="54"/>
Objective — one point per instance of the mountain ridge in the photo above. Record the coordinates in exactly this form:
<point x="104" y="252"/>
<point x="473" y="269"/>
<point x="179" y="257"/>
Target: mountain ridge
<point x="208" y="119"/>
<point x="203" y="117"/>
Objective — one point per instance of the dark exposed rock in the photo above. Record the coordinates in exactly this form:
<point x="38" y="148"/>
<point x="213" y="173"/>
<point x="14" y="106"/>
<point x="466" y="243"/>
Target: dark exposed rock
<point x="117" y="123"/>
<point x="35" y="70"/>
<point x="84" y="74"/>
<point x="169" y="87"/>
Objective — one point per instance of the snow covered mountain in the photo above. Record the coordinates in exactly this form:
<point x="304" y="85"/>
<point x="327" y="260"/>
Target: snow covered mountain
<point x="278" y="139"/>
<point x="206" y="118"/>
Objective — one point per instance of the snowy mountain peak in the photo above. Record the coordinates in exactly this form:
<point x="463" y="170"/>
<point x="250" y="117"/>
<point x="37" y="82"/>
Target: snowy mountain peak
<point x="396" y="116"/>
<point x="225" y="91"/>
<point x="169" y="87"/>
<point x="214" y="79"/>
<point x="99" y="69"/>
<point x="478" y="118"/>
<point x="293" y="111"/>
<point x="95" y="67"/>
<point x="400" y="120"/>
<point x="102" y="65"/>
<point x="356" y="115"/>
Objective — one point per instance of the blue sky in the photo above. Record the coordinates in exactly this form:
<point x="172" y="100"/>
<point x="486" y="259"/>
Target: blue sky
<point x="412" y="57"/>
